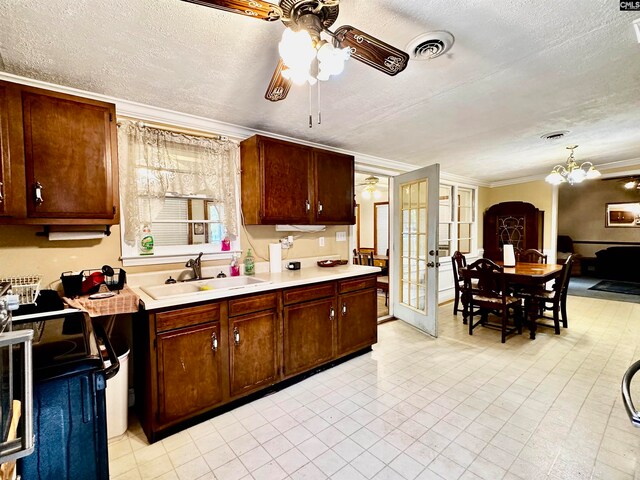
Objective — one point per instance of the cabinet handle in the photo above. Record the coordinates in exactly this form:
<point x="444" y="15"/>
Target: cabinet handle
<point x="344" y="309"/>
<point x="319" y="208"/>
<point x="236" y="336"/>
<point x="37" y="191"/>
<point x="332" y="313"/>
<point x="307" y="205"/>
<point x="1" y="195"/>
<point x="214" y="342"/>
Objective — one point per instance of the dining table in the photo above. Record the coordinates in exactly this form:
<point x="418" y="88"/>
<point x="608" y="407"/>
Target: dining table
<point x="531" y="277"/>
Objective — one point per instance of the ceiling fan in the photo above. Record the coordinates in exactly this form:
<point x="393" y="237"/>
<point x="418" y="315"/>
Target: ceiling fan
<point x="301" y="44"/>
<point x="369" y="189"/>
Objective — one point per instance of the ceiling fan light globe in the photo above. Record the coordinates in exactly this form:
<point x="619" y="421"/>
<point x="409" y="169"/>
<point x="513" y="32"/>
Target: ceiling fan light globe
<point x="366" y="194"/>
<point x="323" y="75"/>
<point x="296" y="49"/>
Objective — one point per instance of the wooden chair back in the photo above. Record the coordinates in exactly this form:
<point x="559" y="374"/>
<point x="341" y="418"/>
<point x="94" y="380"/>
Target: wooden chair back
<point x="458" y="261"/>
<point x="363" y="258"/>
<point x="531" y="255"/>
<point x="563" y="280"/>
<point x="491" y="283"/>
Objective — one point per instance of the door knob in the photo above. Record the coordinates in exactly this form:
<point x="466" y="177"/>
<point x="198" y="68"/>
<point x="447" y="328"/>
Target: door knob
<point x="432" y="252"/>
<point x="431" y="264"/>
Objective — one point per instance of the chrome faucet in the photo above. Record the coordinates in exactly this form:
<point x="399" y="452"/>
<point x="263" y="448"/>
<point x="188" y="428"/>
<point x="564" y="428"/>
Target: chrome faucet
<point x="194" y="263"/>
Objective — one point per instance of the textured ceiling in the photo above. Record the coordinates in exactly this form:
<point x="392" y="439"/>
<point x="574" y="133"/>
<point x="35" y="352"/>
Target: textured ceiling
<point x="518" y="69"/>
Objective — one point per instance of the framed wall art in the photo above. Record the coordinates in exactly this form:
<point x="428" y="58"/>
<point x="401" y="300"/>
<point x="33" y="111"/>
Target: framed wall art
<point x="623" y="215"/>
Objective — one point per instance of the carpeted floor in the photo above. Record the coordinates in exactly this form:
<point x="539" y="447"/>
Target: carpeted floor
<point x="581" y="287"/>
<point x="627" y="288"/>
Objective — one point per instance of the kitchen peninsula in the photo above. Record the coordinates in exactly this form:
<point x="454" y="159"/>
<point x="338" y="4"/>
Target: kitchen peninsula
<point x="199" y="350"/>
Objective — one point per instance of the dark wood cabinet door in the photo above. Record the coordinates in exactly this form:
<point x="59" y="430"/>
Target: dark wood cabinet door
<point x="518" y="223"/>
<point x="189" y="371"/>
<point x="308" y="334"/>
<point x="357" y="321"/>
<point x="334" y="188"/>
<point x="5" y="177"/>
<point x="286" y="175"/>
<point x="253" y="351"/>
<point x="70" y="152"/>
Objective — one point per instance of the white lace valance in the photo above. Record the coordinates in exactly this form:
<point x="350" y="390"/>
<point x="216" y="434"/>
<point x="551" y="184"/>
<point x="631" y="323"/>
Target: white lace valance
<point x="155" y="162"/>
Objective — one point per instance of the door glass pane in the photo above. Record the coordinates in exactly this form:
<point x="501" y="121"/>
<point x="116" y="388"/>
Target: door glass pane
<point x="413" y="276"/>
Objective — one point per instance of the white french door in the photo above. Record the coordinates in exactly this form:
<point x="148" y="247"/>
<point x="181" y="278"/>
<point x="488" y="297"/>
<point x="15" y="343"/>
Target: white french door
<point x="414" y="254"/>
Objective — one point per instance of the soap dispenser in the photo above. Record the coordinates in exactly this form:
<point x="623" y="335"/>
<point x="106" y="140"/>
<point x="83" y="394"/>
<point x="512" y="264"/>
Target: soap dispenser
<point x="234" y="268"/>
<point x="249" y="263"/>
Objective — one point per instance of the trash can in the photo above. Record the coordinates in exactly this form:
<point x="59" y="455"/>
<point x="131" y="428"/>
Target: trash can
<point x="117" y="393"/>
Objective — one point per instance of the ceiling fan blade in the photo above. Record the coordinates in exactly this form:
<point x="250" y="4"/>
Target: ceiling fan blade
<point x="371" y="51"/>
<point x="251" y="8"/>
<point x="279" y="86"/>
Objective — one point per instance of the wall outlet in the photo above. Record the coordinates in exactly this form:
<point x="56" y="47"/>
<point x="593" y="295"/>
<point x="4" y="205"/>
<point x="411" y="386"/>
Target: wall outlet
<point x="341" y="236"/>
<point x="321" y="241"/>
<point x="285" y="243"/>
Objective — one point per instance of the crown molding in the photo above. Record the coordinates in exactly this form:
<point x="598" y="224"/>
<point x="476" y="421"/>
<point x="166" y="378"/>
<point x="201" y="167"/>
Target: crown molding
<point x="149" y="113"/>
<point x="462" y="180"/>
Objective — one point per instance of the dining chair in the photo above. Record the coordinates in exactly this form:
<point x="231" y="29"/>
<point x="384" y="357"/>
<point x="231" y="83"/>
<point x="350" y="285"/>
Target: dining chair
<point x="363" y="258"/>
<point x="490" y="295"/>
<point x="531" y="255"/>
<point x="458" y="261"/>
<point x="382" y="283"/>
<point x="555" y="300"/>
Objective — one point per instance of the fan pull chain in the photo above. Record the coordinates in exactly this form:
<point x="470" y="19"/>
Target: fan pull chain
<point x="319" y="112"/>
<point x="310" y="106"/>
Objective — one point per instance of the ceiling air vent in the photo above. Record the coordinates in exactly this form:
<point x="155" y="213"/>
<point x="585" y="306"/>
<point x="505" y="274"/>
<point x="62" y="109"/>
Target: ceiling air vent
<point x="554" y="136"/>
<point x="430" y="45"/>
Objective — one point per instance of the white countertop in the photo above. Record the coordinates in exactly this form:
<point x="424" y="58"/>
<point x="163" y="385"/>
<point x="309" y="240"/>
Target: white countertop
<point x="287" y="278"/>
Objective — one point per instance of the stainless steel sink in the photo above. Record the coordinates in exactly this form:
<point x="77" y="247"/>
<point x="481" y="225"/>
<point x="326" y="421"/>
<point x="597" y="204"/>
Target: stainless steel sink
<point x="159" y="292"/>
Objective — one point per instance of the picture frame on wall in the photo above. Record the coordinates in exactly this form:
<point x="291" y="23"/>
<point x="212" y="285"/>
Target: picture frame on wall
<point x="625" y="215"/>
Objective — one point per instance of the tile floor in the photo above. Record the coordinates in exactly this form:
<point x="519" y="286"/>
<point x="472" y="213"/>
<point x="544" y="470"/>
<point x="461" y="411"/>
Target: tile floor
<point x="456" y="407"/>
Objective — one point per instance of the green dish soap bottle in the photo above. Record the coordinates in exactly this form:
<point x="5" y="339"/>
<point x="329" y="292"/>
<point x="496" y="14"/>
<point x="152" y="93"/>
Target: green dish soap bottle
<point x="146" y="242"/>
<point x="249" y="263"/>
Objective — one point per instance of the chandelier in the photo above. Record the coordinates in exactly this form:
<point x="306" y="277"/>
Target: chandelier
<point x="572" y="172"/>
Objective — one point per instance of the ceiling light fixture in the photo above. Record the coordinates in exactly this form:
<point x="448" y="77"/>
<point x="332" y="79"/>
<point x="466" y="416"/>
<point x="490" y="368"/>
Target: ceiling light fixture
<point x="299" y="49"/>
<point x="572" y="172"/>
<point x="632" y="184"/>
<point x="370" y="189"/>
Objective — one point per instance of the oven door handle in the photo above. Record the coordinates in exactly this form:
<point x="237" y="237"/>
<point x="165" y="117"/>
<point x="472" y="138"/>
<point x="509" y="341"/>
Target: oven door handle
<point x="634" y="415"/>
<point x="112" y="369"/>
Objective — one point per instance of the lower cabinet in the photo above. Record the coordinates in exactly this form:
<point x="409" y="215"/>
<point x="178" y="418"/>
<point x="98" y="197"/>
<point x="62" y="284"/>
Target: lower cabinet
<point x="189" y="371"/>
<point x="308" y="335"/>
<point x="355" y="328"/>
<point x="253" y="351"/>
<point x="193" y="359"/>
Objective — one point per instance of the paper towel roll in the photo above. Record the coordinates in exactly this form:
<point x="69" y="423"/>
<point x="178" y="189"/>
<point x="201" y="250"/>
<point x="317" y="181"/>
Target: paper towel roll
<point x="275" y="258"/>
<point x="78" y="235"/>
<point x="509" y="257"/>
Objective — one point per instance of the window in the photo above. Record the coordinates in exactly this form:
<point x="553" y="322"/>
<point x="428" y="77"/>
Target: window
<point x="457" y="230"/>
<point x="188" y="221"/>
<point x="184" y="187"/>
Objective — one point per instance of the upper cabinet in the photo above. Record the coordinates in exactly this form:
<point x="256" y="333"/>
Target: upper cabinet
<point x="62" y="156"/>
<point x="286" y="183"/>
